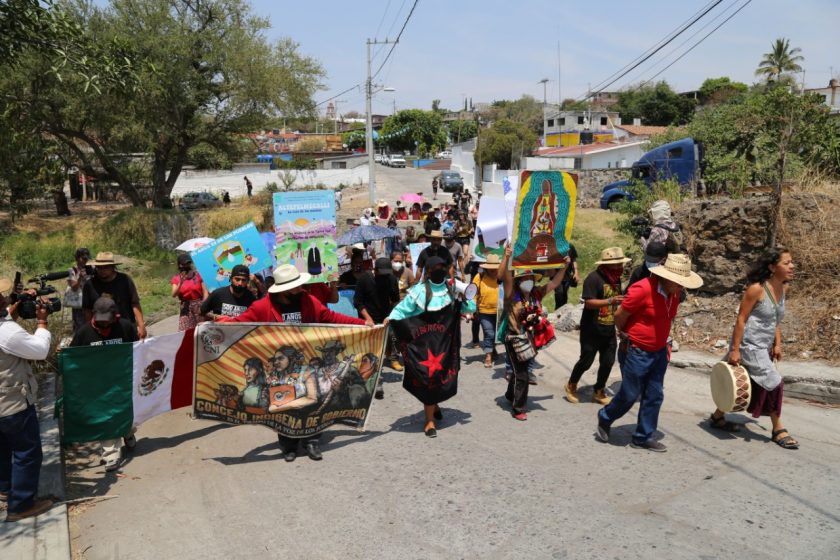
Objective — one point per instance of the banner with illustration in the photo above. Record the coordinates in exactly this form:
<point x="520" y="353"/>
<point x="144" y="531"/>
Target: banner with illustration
<point x="543" y="219"/>
<point x="216" y="260"/>
<point x="304" y="225"/>
<point x="295" y="379"/>
<point x="491" y="230"/>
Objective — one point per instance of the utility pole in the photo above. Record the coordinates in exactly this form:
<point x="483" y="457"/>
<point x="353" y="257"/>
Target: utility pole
<point x="544" y="81"/>
<point x="369" y="127"/>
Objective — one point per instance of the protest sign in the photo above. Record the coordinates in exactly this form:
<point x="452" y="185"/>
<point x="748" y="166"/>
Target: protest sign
<point x="491" y="230"/>
<point x="304" y="224"/>
<point x="216" y="260"/>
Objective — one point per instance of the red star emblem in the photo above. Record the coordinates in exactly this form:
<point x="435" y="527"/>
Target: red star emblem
<point x="432" y="362"/>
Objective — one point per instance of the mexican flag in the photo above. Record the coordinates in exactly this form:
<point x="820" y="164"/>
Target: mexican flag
<point x="110" y="388"/>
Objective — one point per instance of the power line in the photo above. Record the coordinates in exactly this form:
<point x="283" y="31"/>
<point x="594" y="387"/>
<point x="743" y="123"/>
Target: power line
<point x="602" y="86"/>
<point x="397" y="40"/>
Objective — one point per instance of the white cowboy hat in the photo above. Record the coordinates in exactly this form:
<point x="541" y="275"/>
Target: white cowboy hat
<point x="287" y="277"/>
<point x="612" y="255"/>
<point x="104" y="258"/>
<point x="677" y="269"/>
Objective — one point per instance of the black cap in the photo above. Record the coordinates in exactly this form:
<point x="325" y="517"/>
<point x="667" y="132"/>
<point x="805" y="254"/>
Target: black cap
<point x="104" y="309"/>
<point x="656" y="250"/>
<point x="383" y="265"/>
<point x="184" y="259"/>
<point x="82" y="252"/>
<point x="240" y="270"/>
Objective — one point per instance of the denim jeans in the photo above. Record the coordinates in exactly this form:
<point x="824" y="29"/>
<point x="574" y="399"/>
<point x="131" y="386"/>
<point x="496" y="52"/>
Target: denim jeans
<point x="643" y="375"/>
<point x="488" y="327"/>
<point x="20" y="458"/>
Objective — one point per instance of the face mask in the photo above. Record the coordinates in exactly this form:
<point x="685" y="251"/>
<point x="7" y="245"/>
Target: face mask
<point x="437" y="276"/>
<point x="397" y="266"/>
<point x="526" y="286"/>
<point x="357" y="268"/>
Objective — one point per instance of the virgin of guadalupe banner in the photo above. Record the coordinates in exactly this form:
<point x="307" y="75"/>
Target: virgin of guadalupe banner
<point x="216" y="260"/>
<point x="545" y="213"/>
<point x="304" y="225"/>
<point x="295" y="379"/>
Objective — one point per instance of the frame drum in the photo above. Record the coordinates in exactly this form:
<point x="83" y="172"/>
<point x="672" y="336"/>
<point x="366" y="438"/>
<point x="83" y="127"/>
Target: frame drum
<point x="731" y="389"/>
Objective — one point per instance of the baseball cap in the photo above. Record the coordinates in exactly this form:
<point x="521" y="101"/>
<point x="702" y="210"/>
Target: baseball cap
<point x="383" y="265"/>
<point x="104" y="309"/>
<point x="184" y="259"/>
<point x="240" y="270"/>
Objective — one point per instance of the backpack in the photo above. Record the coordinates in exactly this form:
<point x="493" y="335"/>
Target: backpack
<point x="675" y="242"/>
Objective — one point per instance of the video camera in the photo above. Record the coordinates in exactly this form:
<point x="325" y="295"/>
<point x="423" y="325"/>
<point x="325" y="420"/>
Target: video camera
<point x="29" y="303"/>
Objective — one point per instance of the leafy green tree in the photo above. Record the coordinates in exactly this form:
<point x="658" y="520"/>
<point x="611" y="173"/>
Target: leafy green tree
<point x="409" y="128"/>
<point x="719" y="90"/>
<point x="461" y="130"/>
<point x="570" y="104"/>
<point x="207" y="74"/>
<point x="504" y="142"/>
<point x="526" y="110"/>
<point x="781" y="59"/>
<point x="656" y="104"/>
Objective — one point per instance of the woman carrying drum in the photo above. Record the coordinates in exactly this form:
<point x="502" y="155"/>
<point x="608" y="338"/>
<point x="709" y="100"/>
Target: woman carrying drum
<point x="757" y="342"/>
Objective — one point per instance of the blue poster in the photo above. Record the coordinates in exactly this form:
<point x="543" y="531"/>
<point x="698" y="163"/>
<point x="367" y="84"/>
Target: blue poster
<point x="345" y="303"/>
<point x="216" y="260"/>
<point x="416" y="249"/>
<point x="304" y="226"/>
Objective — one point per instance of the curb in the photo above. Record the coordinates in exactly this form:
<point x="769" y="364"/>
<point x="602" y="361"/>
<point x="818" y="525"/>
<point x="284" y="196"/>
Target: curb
<point x="48" y="535"/>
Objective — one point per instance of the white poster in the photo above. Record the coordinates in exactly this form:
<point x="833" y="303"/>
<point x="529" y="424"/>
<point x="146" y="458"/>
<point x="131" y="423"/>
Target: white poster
<point x="510" y="185"/>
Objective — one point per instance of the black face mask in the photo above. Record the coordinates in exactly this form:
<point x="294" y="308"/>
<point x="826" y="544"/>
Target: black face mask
<point x="294" y="299"/>
<point x="437" y="276"/>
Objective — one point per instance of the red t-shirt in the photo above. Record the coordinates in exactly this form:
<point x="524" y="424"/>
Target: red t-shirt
<point x="651" y="314"/>
<point x="190" y="289"/>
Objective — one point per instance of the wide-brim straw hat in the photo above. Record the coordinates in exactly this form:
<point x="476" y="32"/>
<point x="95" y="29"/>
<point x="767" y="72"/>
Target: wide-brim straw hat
<point x="105" y="258"/>
<point x="492" y="263"/>
<point x="5" y="285"/>
<point x="677" y="269"/>
<point x="436" y="234"/>
<point x="287" y="277"/>
<point x="381" y="203"/>
<point x="612" y="255"/>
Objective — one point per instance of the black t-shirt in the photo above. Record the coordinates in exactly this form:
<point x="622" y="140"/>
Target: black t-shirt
<point x="121" y="289"/>
<point x="223" y="302"/>
<point x="121" y="331"/>
<point x="639" y="273"/>
<point x="377" y="294"/>
<point x="347" y="279"/>
<point x="601" y="320"/>
<point x="432" y="251"/>
<point x="291" y="311"/>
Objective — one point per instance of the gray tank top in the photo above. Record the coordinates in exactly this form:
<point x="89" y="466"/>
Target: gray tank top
<point x="760" y="329"/>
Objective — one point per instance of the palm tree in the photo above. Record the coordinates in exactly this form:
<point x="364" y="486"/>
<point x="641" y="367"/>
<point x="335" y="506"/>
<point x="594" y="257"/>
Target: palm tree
<point x="779" y="60"/>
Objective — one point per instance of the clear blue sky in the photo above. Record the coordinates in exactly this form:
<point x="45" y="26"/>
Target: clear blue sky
<point x="494" y="49"/>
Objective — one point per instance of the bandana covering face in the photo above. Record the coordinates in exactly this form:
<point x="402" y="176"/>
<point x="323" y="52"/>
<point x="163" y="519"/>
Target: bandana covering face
<point x="613" y="275"/>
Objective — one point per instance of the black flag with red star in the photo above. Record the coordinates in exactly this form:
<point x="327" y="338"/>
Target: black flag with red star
<point x="431" y="346"/>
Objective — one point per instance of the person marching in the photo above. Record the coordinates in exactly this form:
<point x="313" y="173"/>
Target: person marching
<point x="432" y="357"/>
<point x="757" y="342"/>
<point x="190" y="289"/>
<point x="644" y="322"/>
<point x="232" y="300"/>
<point x="487" y="301"/>
<point x="601" y="296"/>
<point x="522" y="311"/>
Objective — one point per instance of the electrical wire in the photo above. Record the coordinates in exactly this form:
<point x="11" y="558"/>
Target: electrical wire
<point x="685" y="27"/>
<point x="397" y="40"/>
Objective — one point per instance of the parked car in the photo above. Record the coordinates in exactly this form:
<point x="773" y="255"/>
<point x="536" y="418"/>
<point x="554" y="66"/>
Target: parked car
<point x="377" y="158"/>
<point x="681" y="160"/>
<point x="450" y="181"/>
<point x="446" y="154"/>
<point x="396" y="161"/>
<point x="196" y="200"/>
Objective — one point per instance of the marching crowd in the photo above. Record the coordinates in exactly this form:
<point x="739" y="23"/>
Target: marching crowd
<point x="628" y="320"/>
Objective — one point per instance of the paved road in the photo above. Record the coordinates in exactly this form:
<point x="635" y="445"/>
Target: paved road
<point x="487" y="487"/>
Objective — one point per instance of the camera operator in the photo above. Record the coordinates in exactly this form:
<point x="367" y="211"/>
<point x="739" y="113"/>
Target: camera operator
<point x="20" y="434"/>
<point x="75" y="282"/>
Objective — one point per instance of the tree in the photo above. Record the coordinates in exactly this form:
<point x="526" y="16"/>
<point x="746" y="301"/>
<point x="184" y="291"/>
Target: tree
<point x="780" y="60"/>
<point x="409" y="128"/>
<point x="207" y="75"/>
<point x="526" y="110"/>
<point x="657" y="105"/>
<point x="505" y="141"/>
<point x="316" y="144"/>
<point x="462" y="130"/>
<point x="570" y="104"/>
<point x="719" y="90"/>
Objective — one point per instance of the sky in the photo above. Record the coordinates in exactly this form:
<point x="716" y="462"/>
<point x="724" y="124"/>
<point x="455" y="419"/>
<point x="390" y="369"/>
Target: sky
<point x="488" y="50"/>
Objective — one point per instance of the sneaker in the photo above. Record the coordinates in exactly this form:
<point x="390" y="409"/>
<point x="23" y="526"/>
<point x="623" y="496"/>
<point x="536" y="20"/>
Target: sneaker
<point x="396" y="365"/>
<point x="600" y="397"/>
<point x="314" y="451"/>
<point x="522" y="416"/>
<point x="603" y="432"/>
<point x="38" y="507"/>
<point x="289" y="455"/>
<point x="130" y="442"/>
<point x="112" y="464"/>
<point x="650" y="445"/>
<point x="571" y="392"/>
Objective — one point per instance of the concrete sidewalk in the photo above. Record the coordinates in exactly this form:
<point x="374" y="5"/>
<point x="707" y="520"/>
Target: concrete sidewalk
<point x="46" y="536"/>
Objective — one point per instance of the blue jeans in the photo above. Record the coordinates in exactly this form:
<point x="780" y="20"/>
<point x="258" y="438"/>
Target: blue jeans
<point x="20" y="458"/>
<point x="643" y="375"/>
<point x="488" y="328"/>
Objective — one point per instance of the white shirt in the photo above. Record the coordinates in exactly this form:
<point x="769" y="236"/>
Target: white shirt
<point x="17" y="383"/>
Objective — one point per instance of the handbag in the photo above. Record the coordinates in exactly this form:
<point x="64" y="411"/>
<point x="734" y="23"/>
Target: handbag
<point x="522" y="346"/>
<point x="73" y="298"/>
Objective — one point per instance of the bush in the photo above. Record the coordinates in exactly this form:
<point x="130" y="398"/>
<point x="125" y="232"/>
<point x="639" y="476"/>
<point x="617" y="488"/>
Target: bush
<point x="642" y="199"/>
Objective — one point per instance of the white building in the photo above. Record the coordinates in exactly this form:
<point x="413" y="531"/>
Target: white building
<point x="830" y="95"/>
<point x="587" y="156"/>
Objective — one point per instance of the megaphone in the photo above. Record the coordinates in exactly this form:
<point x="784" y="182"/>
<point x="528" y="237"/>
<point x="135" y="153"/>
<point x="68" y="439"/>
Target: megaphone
<point x="467" y="291"/>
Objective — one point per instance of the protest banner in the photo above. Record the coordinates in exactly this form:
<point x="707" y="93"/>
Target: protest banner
<point x="216" y="260"/>
<point x="295" y="379"/>
<point x="107" y="389"/>
<point x="543" y="219"/>
<point x="304" y="224"/>
<point x="491" y="230"/>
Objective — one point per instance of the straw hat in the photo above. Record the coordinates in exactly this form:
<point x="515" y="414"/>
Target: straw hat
<point x="677" y="269"/>
<point x="105" y="258"/>
<point x="381" y="203"/>
<point x="436" y="234"/>
<point x="5" y="285"/>
<point x="612" y="255"/>
<point x="492" y="263"/>
<point x="287" y="277"/>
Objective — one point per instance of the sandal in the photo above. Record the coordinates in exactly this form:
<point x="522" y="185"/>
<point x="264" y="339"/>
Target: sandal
<point x="787" y="442"/>
<point x="722" y="424"/>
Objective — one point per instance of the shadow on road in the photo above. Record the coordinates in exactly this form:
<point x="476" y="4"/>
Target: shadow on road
<point x="744" y="432"/>
<point x="150" y="445"/>
<point x="413" y="423"/>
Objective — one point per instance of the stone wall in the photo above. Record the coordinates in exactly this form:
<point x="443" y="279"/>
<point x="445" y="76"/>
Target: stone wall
<point x="591" y="181"/>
